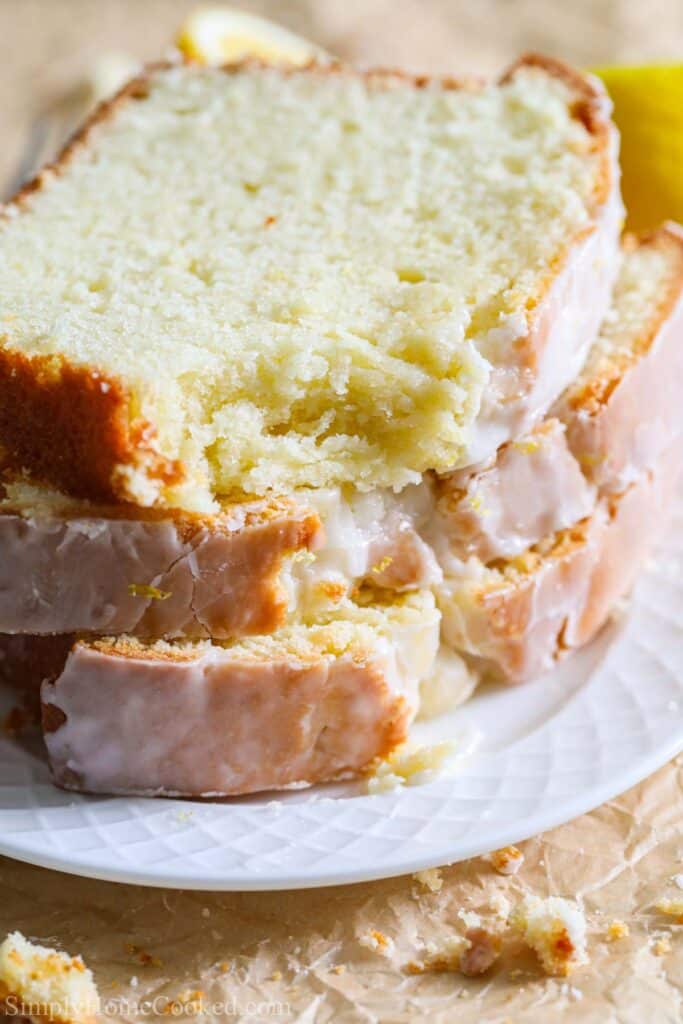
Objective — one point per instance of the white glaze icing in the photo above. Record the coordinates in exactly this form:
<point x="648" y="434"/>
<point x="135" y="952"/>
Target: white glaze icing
<point x="216" y="723"/>
<point x="515" y="628"/>
<point x="534" y="488"/>
<point x="91" y="572"/>
<point x="378" y="537"/>
<point x="534" y="362"/>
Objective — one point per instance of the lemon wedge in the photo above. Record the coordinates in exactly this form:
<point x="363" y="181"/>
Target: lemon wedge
<point x="648" y="109"/>
<point x="221" y="35"/>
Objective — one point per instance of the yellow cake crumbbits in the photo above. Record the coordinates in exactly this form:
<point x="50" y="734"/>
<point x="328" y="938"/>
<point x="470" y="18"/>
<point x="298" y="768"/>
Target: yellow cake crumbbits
<point x="555" y="928"/>
<point x="441" y="958"/>
<point x="38" y="976"/>
<point x="430" y="879"/>
<point x="410" y="766"/>
<point x="507" y="861"/>
<point x="189" y="1000"/>
<point x="617" y="930"/>
<point x="378" y="942"/>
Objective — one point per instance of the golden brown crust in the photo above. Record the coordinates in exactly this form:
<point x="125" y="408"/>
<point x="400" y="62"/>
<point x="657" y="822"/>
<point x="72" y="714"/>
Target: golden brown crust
<point x="388" y="724"/>
<point x="589" y="107"/>
<point x="129" y="647"/>
<point x="57" y="422"/>
<point x="395" y="726"/>
<point x="596" y="392"/>
<point x="72" y="427"/>
<point x="135" y="89"/>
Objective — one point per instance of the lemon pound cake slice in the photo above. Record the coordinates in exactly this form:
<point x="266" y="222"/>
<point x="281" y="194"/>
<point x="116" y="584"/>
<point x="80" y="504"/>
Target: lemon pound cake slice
<point x="67" y="566"/>
<point x="625" y="406"/>
<point x="607" y="429"/>
<point x="254" y="279"/>
<point x="309" y="704"/>
<point x="514" y="619"/>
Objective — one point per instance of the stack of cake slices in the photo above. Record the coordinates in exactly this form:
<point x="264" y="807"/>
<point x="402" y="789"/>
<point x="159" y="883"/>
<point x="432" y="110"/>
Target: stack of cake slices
<point x="324" y="395"/>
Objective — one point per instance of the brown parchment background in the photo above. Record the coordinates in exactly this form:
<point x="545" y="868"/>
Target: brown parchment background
<point x="297" y="956"/>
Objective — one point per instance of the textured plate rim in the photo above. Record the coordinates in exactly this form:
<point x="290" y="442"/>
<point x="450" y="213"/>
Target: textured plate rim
<point x="438" y="857"/>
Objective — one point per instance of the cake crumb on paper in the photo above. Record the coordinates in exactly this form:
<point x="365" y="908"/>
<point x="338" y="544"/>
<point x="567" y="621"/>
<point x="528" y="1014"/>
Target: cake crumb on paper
<point x="439" y="958"/>
<point x="555" y="928"/>
<point x="470" y="918"/>
<point x="507" y="861"/>
<point x="430" y="879"/>
<point x="34" y="976"/>
<point x="378" y="942"/>
<point x="661" y="946"/>
<point x="500" y="905"/>
<point x="617" y="930"/>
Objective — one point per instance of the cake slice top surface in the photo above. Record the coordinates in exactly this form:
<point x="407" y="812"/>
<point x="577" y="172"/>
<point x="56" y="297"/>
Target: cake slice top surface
<point x="294" y="276"/>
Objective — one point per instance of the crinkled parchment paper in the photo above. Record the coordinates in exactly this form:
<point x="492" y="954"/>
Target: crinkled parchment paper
<point x="299" y="956"/>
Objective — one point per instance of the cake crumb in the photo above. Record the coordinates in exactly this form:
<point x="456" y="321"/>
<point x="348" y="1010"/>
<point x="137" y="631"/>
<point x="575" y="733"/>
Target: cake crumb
<point x="37" y="976"/>
<point x="470" y="918"/>
<point x="507" y="861"/>
<point x="190" y="1000"/>
<point x="145" y="958"/>
<point x="500" y="905"/>
<point x="617" y="930"/>
<point x="378" y="942"/>
<point x="409" y="766"/>
<point x="339" y="969"/>
<point x="555" y="928"/>
<point x="439" y="959"/>
<point x="430" y="879"/>
<point x="661" y="946"/>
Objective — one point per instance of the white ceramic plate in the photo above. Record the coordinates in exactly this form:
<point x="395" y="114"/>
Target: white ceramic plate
<point x="551" y="750"/>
